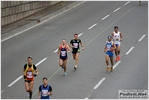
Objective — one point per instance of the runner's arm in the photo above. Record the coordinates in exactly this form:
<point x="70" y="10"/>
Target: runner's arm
<point x="24" y="71"/>
<point x="114" y="47"/>
<point x="50" y="91"/>
<point x="39" y="92"/>
<point x="105" y="49"/>
<point x="36" y="72"/>
<point x="71" y="44"/>
<point x="82" y="45"/>
<point x="35" y="68"/>
<point x="58" y="52"/>
<point x="68" y="48"/>
<point x="120" y="36"/>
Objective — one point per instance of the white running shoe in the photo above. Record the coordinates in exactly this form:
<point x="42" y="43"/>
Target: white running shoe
<point x="75" y="67"/>
<point x="65" y="74"/>
<point x="28" y="94"/>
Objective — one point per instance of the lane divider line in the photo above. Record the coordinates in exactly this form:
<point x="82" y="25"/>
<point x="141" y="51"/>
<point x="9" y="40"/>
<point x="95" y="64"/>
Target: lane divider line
<point x="99" y="83"/>
<point x="80" y="34"/>
<point x="41" y="61"/>
<point x="116" y="9"/>
<point x="55" y="50"/>
<point x="116" y="64"/>
<point x="126" y="3"/>
<point x="92" y="26"/>
<point x="130" y="50"/>
<point x="22" y="75"/>
<point x="86" y="98"/>
<point x="141" y="38"/>
<point x="105" y="17"/>
<point x="15" y="81"/>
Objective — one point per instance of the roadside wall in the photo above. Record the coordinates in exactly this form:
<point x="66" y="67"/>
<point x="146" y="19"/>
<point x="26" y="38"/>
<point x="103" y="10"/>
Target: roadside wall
<point x="14" y="10"/>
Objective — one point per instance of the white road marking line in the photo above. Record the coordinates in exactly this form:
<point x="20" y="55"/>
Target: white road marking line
<point x="80" y="34"/>
<point x="15" y="81"/>
<point x="99" y="83"/>
<point x="92" y="26"/>
<point x="41" y="22"/>
<point x="105" y="17"/>
<point x="126" y="3"/>
<point x="86" y="98"/>
<point x="55" y="50"/>
<point x="116" y="9"/>
<point x="2" y="91"/>
<point x="41" y="61"/>
<point x="141" y="37"/>
<point x="130" y="50"/>
<point x="116" y="64"/>
<point x="22" y="75"/>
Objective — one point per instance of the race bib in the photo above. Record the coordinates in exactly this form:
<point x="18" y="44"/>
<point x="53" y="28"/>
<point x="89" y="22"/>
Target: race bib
<point x="29" y="75"/>
<point x="44" y="92"/>
<point x="63" y="53"/>
<point x="117" y="39"/>
<point x="108" y="47"/>
<point x="75" y="45"/>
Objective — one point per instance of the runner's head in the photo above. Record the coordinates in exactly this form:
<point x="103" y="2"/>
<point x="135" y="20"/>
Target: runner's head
<point x="30" y="60"/>
<point x="76" y="36"/>
<point x="116" y="28"/>
<point x="64" y="41"/>
<point x="45" y="80"/>
<point x="109" y="38"/>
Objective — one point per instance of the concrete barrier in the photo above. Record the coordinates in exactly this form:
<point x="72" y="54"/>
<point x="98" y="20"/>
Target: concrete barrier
<point x="35" y="23"/>
<point x="14" y="10"/>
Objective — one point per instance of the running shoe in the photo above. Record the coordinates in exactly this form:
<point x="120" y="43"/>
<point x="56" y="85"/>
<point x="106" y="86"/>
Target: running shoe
<point x="111" y="69"/>
<point x="75" y="67"/>
<point x="28" y="94"/>
<point x="119" y="57"/>
<point x="63" y="65"/>
<point x="65" y="74"/>
<point x="107" y="68"/>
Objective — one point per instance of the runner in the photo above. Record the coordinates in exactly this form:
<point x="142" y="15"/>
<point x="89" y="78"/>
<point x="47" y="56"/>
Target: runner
<point x="117" y="37"/>
<point x="45" y="90"/>
<point x="109" y="47"/>
<point x="62" y="52"/>
<point x="74" y="44"/>
<point x="29" y="75"/>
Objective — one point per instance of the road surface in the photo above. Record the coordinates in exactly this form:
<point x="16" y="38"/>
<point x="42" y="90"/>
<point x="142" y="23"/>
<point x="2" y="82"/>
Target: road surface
<point x="94" y="21"/>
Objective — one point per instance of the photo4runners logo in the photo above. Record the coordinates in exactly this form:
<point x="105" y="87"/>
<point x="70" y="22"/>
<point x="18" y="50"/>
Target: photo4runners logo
<point x="133" y="94"/>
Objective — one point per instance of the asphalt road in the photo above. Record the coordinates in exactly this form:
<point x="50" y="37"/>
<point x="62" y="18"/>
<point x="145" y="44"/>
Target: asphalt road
<point x="41" y="42"/>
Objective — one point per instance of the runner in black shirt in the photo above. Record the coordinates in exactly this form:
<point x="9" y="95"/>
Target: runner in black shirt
<point x="74" y="44"/>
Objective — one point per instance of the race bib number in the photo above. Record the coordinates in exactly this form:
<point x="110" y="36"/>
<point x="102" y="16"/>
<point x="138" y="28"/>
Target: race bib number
<point x="29" y="75"/>
<point x="75" y="45"/>
<point x="108" y="47"/>
<point x="63" y="53"/>
<point x="117" y="39"/>
<point x="44" y="92"/>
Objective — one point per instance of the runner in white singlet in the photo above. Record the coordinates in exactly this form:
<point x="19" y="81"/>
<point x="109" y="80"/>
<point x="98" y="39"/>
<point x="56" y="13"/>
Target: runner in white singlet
<point x="117" y="38"/>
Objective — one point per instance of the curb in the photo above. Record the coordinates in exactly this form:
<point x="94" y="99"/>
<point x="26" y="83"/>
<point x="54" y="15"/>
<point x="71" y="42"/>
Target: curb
<point x="42" y="20"/>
